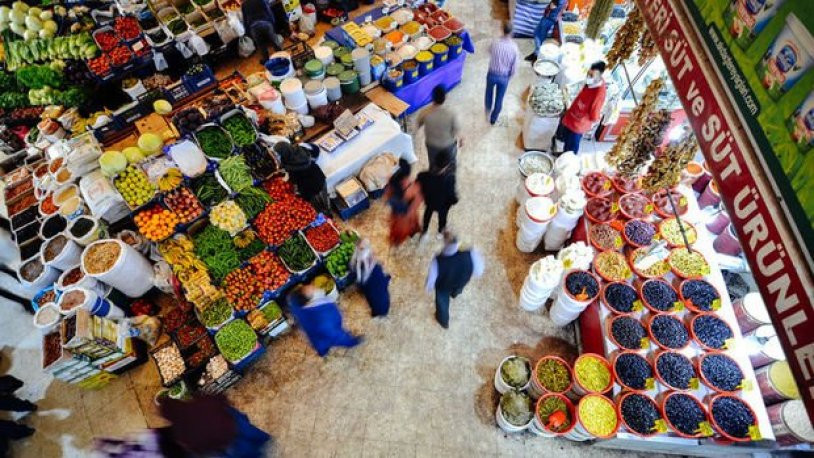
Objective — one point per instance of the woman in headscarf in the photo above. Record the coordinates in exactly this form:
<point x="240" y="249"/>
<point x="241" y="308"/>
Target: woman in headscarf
<point x="371" y="278"/>
<point x="403" y="195"/>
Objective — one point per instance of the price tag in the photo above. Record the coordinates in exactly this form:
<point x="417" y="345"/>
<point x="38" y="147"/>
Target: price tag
<point x="552" y="210"/>
<point x="627" y="273"/>
<point x="637" y="306"/>
<point x="678" y="306"/>
<point x="614" y="207"/>
<point x="754" y="433"/>
<point x="746" y="385"/>
<point x="645" y="342"/>
<point x="606" y="185"/>
<point x="729" y="344"/>
<point x="660" y="426"/>
<point x="617" y="242"/>
<point x="716" y="304"/>
<point x="705" y="429"/>
<point x="648" y="209"/>
<point x="682" y="201"/>
<point x="649" y="383"/>
<point x="694" y="383"/>
<point x="567" y="264"/>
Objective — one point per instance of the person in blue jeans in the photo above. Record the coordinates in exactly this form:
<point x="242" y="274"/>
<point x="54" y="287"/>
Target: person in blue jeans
<point x="502" y="66"/>
<point x="551" y="16"/>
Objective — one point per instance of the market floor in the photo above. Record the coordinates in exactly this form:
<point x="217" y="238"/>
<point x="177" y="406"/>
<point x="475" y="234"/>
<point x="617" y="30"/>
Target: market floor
<point x="412" y="388"/>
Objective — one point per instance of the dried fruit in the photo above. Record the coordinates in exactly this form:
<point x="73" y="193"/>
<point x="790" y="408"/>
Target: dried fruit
<point x="626" y="38"/>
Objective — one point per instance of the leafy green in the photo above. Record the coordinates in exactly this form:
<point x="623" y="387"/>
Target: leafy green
<point x="236" y="340"/>
<point x="38" y="77"/>
<point x="8" y="83"/>
<point x="11" y="100"/>
<point x="214" y="142"/>
<point x="241" y="130"/>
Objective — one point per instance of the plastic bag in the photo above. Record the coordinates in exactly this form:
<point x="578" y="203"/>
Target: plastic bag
<point x="184" y="50"/>
<point x="245" y="47"/>
<point x="143" y="327"/>
<point x="377" y="171"/>
<point x="225" y="31"/>
<point x="236" y="23"/>
<point x="162" y="277"/>
<point x="159" y="61"/>
<point x="198" y="44"/>
<point x="102" y="199"/>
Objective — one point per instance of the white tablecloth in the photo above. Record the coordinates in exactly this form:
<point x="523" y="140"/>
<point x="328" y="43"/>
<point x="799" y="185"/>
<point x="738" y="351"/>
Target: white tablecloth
<point x="384" y="136"/>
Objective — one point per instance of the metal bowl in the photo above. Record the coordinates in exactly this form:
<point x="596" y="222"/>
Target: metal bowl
<point x="534" y="162"/>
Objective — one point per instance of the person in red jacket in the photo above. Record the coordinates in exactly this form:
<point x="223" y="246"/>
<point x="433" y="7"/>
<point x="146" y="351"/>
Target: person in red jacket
<point x="584" y="111"/>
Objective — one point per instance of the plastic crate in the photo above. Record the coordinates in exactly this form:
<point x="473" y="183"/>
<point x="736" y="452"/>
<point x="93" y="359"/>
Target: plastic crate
<point x="346" y="213"/>
<point x="132" y="114"/>
<point x="177" y="92"/>
<point x="344" y="282"/>
<point x="200" y="81"/>
<point x="248" y="360"/>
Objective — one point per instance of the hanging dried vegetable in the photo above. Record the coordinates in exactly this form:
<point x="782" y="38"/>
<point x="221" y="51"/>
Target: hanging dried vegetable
<point x="600" y="12"/>
<point x="647" y="48"/>
<point x="620" y="151"/>
<point x="626" y="38"/>
<point x="665" y="171"/>
<point x="644" y="145"/>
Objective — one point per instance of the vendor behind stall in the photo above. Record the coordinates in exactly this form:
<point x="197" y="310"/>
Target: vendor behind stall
<point x="261" y="27"/>
<point x="584" y="111"/>
<point x="551" y="16"/>
<point x="303" y="172"/>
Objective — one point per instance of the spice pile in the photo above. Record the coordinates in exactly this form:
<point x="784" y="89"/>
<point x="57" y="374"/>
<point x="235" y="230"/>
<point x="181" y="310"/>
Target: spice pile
<point x="553" y="375"/>
<point x="592" y="373"/>
<point x="598" y="415"/>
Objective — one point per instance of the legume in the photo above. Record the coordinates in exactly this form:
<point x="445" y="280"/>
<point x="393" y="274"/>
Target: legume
<point x="620" y="297"/>
<point x="732" y="416"/>
<point x="639" y="232"/>
<point x="671" y="232"/>
<point x="597" y="415"/>
<point x="628" y="332"/>
<point x="612" y="266"/>
<point x="669" y="331"/>
<point x="688" y="264"/>
<point x="659" y="295"/>
<point x="684" y="413"/>
<point x="722" y="372"/>
<point x="553" y="375"/>
<point x="711" y="331"/>
<point x="640" y="413"/>
<point x="700" y="293"/>
<point x="675" y="370"/>
<point x="592" y="373"/>
<point x="633" y="370"/>
<point x="582" y="282"/>
<point x="656" y="270"/>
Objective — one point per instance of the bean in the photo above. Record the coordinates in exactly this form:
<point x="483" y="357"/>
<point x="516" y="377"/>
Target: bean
<point x="711" y="331"/>
<point x="733" y="416"/>
<point x="659" y="294"/>
<point x="640" y="413"/>
<point x="700" y="293"/>
<point x="722" y="372"/>
<point x="633" y="370"/>
<point x="640" y="232"/>
<point x="620" y="297"/>
<point x="628" y="332"/>
<point x="669" y="331"/>
<point x="579" y="281"/>
<point x="684" y="413"/>
<point x="675" y="369"/>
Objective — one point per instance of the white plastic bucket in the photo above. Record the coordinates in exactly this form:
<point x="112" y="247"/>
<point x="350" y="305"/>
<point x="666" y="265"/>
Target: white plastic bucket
<point x="763" y="346"/>
<point x="302" y="109"/>
<point x="751" y="312"/>
<point x="361" y="60"/>
<point x="292" y="91"/>
<point x="67" y="258"/>
<point x="324" y="54"/>
<point x="365" y="78"/>
<point x="535" y="185"/>
<point x="561" y="314"/>
<point x="555" y="236"/>
<point x="565" y="219"/>
<point x="131" y="273"/>
<point x="47" y="277"/>
<point x="500" y="385"/>
<point x="333" y="87"/>
<point x="505" y="425"/>
<point x="46" y="328"/>
<point x="317" y="99"/>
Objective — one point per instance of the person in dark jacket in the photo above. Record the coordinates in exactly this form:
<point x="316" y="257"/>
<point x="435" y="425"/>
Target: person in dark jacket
<point x="319" y="317"/>
<point x="438" y="188"/>
<point x="259" y="22"/>
<point x="11" y="430"/>
<point x="372" y="279"/>
<point x="450" y="271"/>
<point x="304" y="173"/>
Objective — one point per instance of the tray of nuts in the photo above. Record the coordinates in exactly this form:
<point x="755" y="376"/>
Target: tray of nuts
<point x="170" y="363"/>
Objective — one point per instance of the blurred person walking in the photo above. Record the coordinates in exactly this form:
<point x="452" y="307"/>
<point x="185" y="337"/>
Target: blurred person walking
<point x="260" y="26"/>
<point x="502" y="67"/>
<point x="403" y="195"/>
<point x="372" y="279"/>
<point x="438" y="189"/>
<point x="12" y="430"/>
<point x="441" y="127"/>
<point x="320" y="319"/>
<point x="450" y="271"/>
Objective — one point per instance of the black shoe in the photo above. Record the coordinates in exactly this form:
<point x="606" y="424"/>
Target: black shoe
<point x="531" y="57"/>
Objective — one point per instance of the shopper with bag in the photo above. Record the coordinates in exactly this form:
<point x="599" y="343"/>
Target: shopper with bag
<point x="403" y="196"/>
<point x="261" y="27"/>
<point x="438" y="189"/>
<point x="371" y="278"/>
<point x="304" y="173"/>
<point x="441" y="127"/>
<point x="450" y="271"/>
<point x="584" y="111"/>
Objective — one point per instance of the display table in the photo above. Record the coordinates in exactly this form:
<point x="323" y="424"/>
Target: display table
<point x="593" y="338"/>
<point x="384" y="136"/>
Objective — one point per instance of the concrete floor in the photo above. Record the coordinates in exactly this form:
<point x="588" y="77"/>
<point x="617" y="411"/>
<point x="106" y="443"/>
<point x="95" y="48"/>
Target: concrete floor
<point x="412" y="389"/>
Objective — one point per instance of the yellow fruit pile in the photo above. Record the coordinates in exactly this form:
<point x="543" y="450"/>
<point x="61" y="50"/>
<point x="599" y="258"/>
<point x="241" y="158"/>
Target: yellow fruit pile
<point x="190" y="271"/>
<point x="156" y="223"/>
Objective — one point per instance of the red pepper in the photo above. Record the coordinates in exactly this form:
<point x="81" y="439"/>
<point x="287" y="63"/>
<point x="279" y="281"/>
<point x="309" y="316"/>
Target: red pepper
<point x="322" y="238"/>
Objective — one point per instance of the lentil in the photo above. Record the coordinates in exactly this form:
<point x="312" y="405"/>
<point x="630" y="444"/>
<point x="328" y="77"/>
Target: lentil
<point x="620" y="297"/>
<point x="553" y="375"/>
<point x="640" y="413"/>
<point x="582" y="282"/>
<point x="31" y="270"/>
<point x="592" y="373"/>
<point x="605" y="237"/>
<point x="639" y="232"/>
<point x="548" y="406"/>
<point x="711" y="331"/>
<point x="700" y="293"/>
<point x="684" y="413"/>
<point x="628" y="332"/>
<point x="722" y="372"/>
<point x="54" y="247"/>
<point x="597" y="415"/>
<point x="659" y="295"/>
<point x="633" y="370"/>
<point x="669" y="331"/>
<point x="732" y="416"/>
<point x="675" y="370"/>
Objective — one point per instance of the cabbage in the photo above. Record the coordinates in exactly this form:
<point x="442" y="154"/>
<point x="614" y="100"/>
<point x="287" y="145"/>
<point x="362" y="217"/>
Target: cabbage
<point x="150" y="143"/>
<point x="46" y="16"/>
<point x="34" y="11"/>
<point x="162" y="107"/>
<point x="17" y="17"/>
<point x="112" y="162"/>
<point x="4" y="13"/>
<point x="46" y="33"/>
<point x="50" y="25"/>
<point x="19" y="6"/>
<point x="29" y="35"/>
<point x="516" y="407"/>
<point x="515" y="371"/>
<point x="133" y="154"/>
<point x="33" y="23"/>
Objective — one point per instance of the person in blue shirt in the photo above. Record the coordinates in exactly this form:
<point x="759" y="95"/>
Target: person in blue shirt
<point x="260" y="26"/>
<point x="551" y="15"/>
<point x="450" y="271"/>
<point x="320" y="319"/>
<point x="372" y="279"/>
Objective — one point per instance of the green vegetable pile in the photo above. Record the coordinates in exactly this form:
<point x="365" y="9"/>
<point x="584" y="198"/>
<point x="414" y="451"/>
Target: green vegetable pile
<point x="254" y="247"/>
<point x="216" y="313"/>
<point x="516" y="371"/>
<point x="78" y="46"/>
<point x="215" y="248"/>
<point x="338" y="261"/>
<point x="236" y="340"/>
<point x="252" y="201"/>
<point x="214" y="142"/>
<point x="272" y="311"/>
<point x="296" y="254"/>
<point x="235" y="173"/>
<point x="241" y="130"/>
<point x="208" y="190"/>
<point x="39" y="76"/>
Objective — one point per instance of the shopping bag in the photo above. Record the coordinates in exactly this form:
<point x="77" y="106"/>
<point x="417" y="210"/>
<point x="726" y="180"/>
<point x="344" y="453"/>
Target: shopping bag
<point x="159" y="61"/>
<point x="245" y="47"/>
<point x="236" y="24"/>
<point x="225" y="31"/>
<point x="198" y="44"/>
<point x="184" y="50"/>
